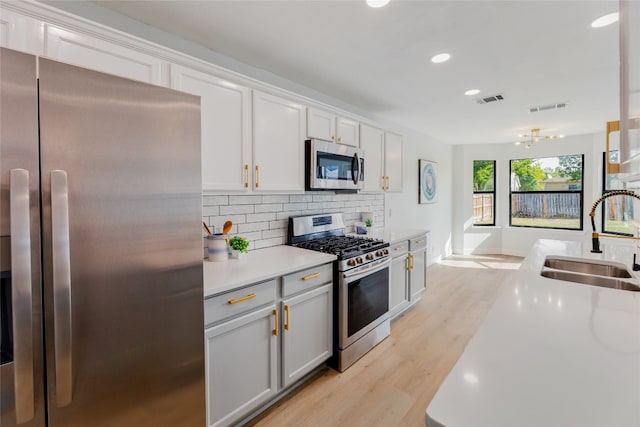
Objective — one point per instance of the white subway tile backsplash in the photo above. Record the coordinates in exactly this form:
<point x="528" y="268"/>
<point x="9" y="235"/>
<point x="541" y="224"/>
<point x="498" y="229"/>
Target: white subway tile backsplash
<point x="263" y="220"/>
<point x="268" y="207"/>
<point x="236" y="209"/>
<point x="275" y="199"/>
<point x="253" y="226"/>
<point x="215" y="200"/>
<point x="245" y="200"/>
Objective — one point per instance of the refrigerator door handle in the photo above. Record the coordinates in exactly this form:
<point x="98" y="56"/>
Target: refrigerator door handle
<point x="61" y="287"/>
<point x="21" y="294"/>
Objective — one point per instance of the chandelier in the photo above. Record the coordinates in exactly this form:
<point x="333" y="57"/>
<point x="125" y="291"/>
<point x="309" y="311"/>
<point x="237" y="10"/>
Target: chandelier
<point x="529" y="138"/>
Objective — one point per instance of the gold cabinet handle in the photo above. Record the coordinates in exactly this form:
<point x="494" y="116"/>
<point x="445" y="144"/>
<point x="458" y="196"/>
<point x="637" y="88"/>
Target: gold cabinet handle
<point x="333" y="137"/>
<point x="412" y="264"/>
<point x="244" y="298"/>
<point x="408" y="263"/>
<point x="387" y="178"/>
<point x="311" y="276"/>
<point x="246" y="176"/>
<point x="383" y="182"/>
<point x="257" y="176"/>
<point x="339" y="139"/>
<point x="286" y="317"/>
<point x="275" y="329"/>
<point x="419" y="241"/>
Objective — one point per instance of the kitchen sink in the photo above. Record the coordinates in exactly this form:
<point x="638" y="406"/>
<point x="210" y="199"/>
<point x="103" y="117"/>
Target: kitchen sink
<point x="589" y="272"/>
<point x="589" y="279"/>
<point x="579" y="265"/>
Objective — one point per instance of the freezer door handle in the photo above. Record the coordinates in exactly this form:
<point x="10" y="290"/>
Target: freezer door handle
<point x="21" y="298"/>
<point x="60" y="257"/>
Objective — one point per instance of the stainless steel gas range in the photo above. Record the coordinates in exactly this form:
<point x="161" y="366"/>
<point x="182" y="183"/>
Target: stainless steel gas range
<point x="361" y="297"/>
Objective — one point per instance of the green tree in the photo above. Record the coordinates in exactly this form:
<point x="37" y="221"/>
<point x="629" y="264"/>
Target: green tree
<point x="529" y="173"/>
<point x="483" y="171"/>
<point x="571" y="166"/>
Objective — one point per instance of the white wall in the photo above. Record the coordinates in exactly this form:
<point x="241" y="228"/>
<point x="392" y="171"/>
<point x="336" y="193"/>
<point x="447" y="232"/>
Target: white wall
<point x="468" y="239"/>
<point x="403" y="210"/>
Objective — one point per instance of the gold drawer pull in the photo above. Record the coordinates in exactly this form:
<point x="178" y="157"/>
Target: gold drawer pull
<point x="275" y="330"/>
<point x="286" y="317"/>
<point x="419" y="241"/>
<point x="311" y="276"/>
<point x="246" y="176"/>
<point x="397" y="249"/>
<point x="244" y="298"/>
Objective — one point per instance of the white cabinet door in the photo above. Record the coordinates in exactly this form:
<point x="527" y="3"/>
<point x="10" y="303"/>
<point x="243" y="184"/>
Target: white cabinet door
<point x="393" y="161"/>
<point x="372" y="141"/>
<point x="307" y="332"/>
<point x="22" y="33"/>
<point x="418" y="274"/>
<point x="321" y="124"/>
<point x="398" y="285"/>
<point x="279" y="128"/>
<point x="348" y="131"/>
<point x="97" y="54"/>
<point x="226" y="128"/>
<point x="241" y="365"/>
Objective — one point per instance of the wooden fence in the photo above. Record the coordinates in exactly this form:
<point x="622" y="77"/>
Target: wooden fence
<point x="483" y="208"/>
<point x="545" y="205"/>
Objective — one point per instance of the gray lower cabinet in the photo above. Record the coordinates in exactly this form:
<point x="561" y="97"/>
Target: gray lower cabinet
<point x="399" y="278"/>
<point x="241" y="365"/>
<point x="307" y="332"/>
<point x="407" y="273"/>
<point x="418" y="267"/>
<point x="263" y="338"/>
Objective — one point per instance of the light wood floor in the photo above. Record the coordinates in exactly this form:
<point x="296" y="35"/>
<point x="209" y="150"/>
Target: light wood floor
<point x="393" y="384"/>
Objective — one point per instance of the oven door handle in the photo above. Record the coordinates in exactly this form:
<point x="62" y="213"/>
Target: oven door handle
<point x="361" y="273"/>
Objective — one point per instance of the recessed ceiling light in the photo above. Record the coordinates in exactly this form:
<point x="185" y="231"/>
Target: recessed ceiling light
<point x="605" y="20"/>
<point x="441" y="57"/>
<point x="377" y="3"/>
<point x="472" y="92"/>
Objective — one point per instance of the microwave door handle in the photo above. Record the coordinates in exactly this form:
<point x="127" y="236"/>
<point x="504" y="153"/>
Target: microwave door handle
<point x="20" y="228"/>
<point x="356" y="176"/>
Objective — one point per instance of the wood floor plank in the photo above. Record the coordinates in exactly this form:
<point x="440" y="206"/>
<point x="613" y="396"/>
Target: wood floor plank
<point x="393" y="384"/>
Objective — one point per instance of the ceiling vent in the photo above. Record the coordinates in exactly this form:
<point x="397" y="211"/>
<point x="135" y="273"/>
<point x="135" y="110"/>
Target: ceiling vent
<point x="492" y="98"/>
<point x="548" y="107"/>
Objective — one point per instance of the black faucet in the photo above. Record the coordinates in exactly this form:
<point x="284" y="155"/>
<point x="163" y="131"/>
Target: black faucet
<point x="595" y="240"/>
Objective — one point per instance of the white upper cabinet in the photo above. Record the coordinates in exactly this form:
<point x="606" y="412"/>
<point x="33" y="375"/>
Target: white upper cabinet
<point x="382" y="159"/>
<point x="279" y="128"/>
<point x="393" y="161"/>
<point x="372" y="141"/>
<point x="22" y="33"/>
<point x="105" y="56"/>
<point x="328" y="126"/>
<point x="226" y="128"/>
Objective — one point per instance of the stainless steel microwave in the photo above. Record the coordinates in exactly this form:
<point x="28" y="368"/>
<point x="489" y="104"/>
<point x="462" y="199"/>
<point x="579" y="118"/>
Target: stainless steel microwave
<point x="333" y="166"/>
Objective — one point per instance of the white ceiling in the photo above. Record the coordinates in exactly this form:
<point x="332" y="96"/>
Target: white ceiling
<point x="532" y="52"/>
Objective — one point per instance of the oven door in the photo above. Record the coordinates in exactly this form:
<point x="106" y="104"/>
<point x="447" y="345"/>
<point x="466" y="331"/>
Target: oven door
<point x="363" y="302"/>
<point x="332" y="166"/>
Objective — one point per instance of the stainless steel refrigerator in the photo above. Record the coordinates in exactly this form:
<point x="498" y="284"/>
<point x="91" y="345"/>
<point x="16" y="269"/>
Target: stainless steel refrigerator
<point x="100" y="249"/>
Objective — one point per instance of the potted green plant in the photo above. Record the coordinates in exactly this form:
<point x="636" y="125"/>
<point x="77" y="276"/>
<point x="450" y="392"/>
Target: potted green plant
<point x="239" y="245"/>
<point x="368" y="222"/>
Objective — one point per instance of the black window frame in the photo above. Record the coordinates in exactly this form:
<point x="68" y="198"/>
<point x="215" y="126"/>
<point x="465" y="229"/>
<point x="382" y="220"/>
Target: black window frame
<point x="581" y="192"/>
<point x="603" y="213"/>
<point x="493" y="223"/>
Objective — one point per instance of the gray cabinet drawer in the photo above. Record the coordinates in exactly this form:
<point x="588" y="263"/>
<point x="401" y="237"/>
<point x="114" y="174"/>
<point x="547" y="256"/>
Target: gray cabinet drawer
<point x="239" y="301"/>
<point x="418" y="243"/>
<point x="400" y="248"/>
<point x="307" y="279"/>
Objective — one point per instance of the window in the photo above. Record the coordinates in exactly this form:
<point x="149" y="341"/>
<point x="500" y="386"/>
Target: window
<point x="484" y="192"/>
<point x="547" y="192"/>
<point x="617" y="212"/>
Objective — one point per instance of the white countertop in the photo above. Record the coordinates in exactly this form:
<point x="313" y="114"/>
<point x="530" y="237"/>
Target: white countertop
<point x="549" y="353"/>
<point x="258" y="265"/>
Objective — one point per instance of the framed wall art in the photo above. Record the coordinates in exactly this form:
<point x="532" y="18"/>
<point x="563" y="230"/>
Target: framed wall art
<point x="428" y="185"/>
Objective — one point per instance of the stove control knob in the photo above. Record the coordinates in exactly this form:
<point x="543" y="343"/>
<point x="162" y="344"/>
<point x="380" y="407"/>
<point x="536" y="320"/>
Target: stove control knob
<point x="359" y="260"/>
<point x="351" y="262"/>
<point x="369" y="257"/>
<point x="379" y="253"/>
<point x="386" y="251"/>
